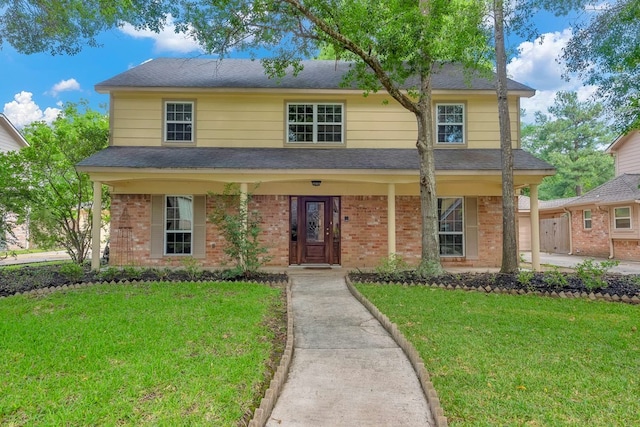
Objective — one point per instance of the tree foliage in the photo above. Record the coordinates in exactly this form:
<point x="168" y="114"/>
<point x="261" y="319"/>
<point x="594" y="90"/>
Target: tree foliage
<point x="45" y="187"/>
<point x="606" y="52"/>
<point x="572" y="138"/>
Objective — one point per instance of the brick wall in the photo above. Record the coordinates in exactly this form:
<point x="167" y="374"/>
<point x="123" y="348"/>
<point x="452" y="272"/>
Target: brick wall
<point x="364" y="235"/>
<point x="590" y="242"/>
<point x="628" y="250"/>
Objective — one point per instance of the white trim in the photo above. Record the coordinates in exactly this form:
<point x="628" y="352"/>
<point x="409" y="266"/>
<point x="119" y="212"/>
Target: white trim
<point x="166" y="232"/>
<point x="165" y="122"/>
<point x="315" y="122"/>
<point x="464" y="116"/>
<point x="585" y="219"/>
<point x="616" y="218"/>
<point x="453" y="233"/>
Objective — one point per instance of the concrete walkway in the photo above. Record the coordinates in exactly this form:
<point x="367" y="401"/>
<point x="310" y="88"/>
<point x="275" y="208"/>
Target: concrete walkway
<point x="346" y="369"/>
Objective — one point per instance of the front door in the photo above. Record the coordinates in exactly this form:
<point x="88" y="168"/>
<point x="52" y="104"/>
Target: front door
<point x="317" y="230"/>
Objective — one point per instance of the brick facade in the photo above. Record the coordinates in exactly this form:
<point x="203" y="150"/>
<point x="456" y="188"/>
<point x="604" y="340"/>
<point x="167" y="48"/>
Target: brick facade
<point x="590" y="242"/>
<point x="363" y="235"/>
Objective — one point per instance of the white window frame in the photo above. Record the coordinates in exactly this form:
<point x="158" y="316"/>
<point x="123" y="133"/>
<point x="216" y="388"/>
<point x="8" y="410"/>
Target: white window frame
<point x="315" y="122"/>
<point x="616" y="218"/>
<point x="461" y="124"/>
<point x="453" y="233"/>
<point x="166" y="122"/>
<point x="585" y="219"/>
<point x="167" y="232"/>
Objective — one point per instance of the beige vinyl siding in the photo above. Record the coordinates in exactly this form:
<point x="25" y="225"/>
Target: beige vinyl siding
<point x="7" y="142"/>
<point x="628" y="156"/>
<point x="258" y="120"/>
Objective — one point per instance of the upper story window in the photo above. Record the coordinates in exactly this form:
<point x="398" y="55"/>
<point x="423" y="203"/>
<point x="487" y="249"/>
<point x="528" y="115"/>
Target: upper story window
<point x="178" y="121"/>
<point x="622" y="217"/>
<point x="586" y="215"/>
<point x="315" y="123"/>
<point x="178" y="225"/>
<point x="450" y="123"/>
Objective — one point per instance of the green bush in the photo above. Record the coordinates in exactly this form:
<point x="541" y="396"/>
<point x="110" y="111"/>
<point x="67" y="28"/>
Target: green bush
<point x="525" y="277"/>
<point x="555" y="278"/>
<point x="392" y="268"/>
<point x="192" y="268"/>
<point x="72" y="271"/>
<point x="592" y="273"/>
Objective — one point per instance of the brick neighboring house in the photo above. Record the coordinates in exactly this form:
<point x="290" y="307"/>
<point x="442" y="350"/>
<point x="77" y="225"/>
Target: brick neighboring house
<point x="12" y="140"/>
<point x="605" y="222"/>
<point x="338" y="172"/>
<point x="555" y="231"/>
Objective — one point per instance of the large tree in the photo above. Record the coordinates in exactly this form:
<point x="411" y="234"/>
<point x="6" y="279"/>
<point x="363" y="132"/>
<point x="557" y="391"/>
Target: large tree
<point x="389" y="42"/>
<point x="605" y="51"/>
<point x="572" y="137"/>
<point x="45" y="187"/>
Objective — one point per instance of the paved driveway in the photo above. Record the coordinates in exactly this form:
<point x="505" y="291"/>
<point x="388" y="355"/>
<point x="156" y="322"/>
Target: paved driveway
<point x="570" y="261"/>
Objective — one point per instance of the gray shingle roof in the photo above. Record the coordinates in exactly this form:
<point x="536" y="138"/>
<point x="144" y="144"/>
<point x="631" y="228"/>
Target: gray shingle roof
<point x="623" y="188"/>
<point x="245" y="73"/>
<point x="524" y="203"/>
<point x="304" y="159"/>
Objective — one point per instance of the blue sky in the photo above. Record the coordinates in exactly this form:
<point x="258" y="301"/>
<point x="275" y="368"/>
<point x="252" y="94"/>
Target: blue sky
<point x="35" y="86"/>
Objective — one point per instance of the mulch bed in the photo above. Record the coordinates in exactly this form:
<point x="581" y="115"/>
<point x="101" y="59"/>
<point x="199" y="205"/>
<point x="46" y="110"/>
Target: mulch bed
<point x="17" y="280"/>
<point x="616" y="284"/>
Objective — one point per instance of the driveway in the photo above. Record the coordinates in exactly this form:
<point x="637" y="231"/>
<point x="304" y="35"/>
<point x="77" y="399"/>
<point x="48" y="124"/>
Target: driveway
<point x="570" y="261"/>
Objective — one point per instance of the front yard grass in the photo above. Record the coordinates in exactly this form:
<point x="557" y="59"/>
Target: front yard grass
<point x="521" y="360"/>
<point x="139" y="354"/>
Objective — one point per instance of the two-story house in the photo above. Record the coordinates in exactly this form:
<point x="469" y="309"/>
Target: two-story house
<point x="605" y="222"/>
<point x="338" y="172"/>
<point x="12" y="140"/>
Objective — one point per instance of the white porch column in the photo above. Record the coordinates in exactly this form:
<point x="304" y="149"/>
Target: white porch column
<point x="391" y="215"/>
<point x="97" y="225"/>
<point x="535" y="228"/>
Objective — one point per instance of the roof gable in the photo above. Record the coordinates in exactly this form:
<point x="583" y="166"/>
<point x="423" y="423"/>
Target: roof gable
<point x="248" y="74"/>
<point x="10" y="137"/>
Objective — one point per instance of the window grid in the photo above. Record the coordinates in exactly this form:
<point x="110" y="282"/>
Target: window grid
<point x="622" y="218"/>
<point x="179" y="121"/>
<point x="587" y="218"/>
<point x="315" y="123"/>
<point x="450" y="123"/>
<point x="178" y="225"/>
<point x="451" y="226"/>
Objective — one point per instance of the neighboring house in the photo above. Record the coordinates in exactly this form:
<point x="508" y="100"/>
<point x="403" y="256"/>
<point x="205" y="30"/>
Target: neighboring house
<point x="12" y="140"/>
<point x="338" y="172"/>
<point x="555" y="230"/>
<point x="605" y="222"/>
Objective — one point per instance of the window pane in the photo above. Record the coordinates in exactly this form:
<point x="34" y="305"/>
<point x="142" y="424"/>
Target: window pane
<point x="179" y="121"/>
<point x="623" y="222"/>
<point x="314" y="123"/>
<point x="451" y="245"/>
<point x="178" y="224"/>
<point x="622" y="212"/>
<point x="450" y="124"/>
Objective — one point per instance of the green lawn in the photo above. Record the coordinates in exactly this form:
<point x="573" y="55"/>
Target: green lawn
<point x="503" y="360"/>
<point x="144" y="354"/>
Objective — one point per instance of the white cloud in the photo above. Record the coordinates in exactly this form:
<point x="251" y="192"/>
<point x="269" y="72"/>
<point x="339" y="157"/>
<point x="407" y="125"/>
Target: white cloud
<point x="167" y="40"/>
<point x="64" y="86"/>
<point x="538" y="65"/>
<point x="23" y="110"/>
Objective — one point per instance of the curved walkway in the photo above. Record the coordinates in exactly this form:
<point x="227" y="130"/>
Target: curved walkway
<point x="346" y="369"/>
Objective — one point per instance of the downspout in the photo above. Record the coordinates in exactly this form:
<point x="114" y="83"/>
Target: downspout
<point x="611" y="254"/>
<point x="568" y="212"/>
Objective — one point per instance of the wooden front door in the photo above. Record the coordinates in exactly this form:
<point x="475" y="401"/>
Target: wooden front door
<point x="316" y="239"/>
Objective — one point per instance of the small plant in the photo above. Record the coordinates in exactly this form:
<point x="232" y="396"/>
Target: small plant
<point x="132" y="273"/>
<point x="592" y="273"/>
<point x="240" y="228"/>
<point x="522" y="260"/>
<point x="162" y="273"/>
<point x="109" y="274"/>
<point x="555" y="278"/>
<point x="72" y="271"/>
<point x="192" y="268"/>
<point x="525" y="277"/>
<point x="391" y="268"/>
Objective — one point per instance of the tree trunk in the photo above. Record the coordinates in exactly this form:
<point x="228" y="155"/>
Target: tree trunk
<point x="509" y="243"/>
<point x="428" y="198"/>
